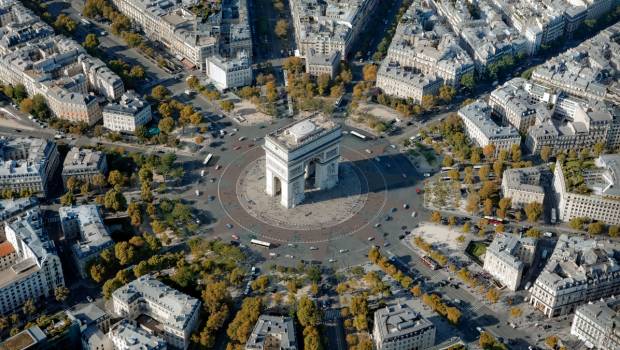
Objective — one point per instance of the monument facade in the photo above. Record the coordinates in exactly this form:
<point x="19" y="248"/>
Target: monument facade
<point x="302" y="156"/>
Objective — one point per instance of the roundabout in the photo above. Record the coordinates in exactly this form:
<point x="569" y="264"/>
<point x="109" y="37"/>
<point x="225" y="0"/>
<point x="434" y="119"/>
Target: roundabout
<point x="325" y="215"/>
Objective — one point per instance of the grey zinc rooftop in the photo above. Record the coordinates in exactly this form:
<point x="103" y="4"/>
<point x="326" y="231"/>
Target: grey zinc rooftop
<point x="526" y="179"/>
<point x="604" y="313"/>
<point x="575" y="260"/>
<point x="36" y="153"/>
<point x="505" y="247"/>
<point x="179" y="306"/>
<point x="394" y="71"/>
<point x="272" y="332"/>
<point x="94" y="237"/>
<point x="82" y="159"/>
<point x="479" y="113"/>
<point x="135" y="338"/>
<point x="130" y="103"/>
<point x="399" y="319"/>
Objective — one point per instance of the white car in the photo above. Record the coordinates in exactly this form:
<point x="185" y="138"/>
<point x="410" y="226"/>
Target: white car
<point x="314" y="248"/>
<point x="371" y="238"/>
<point x="427" y="175"/>
<point x="368" y="151"/>
<point x="332" y="260"/>
<point x="341" y="251"/>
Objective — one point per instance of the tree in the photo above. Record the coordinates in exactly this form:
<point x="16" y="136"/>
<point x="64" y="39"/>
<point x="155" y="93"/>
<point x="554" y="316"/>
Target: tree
<point x="436" y="217"/>
<point x="475" y="155"/>
<point x="308" y="314"/>
<point x="227" y="105"/>
<point x="260" y="283"/>
<point x="428" y="102"/>
<point x="534" y="233"/>
<point x="160" y="93"/>
<point x="61" y="293"/>
<point x="533" y="211"/>
<point x="124" y="252"/>
<point x="451" y="221"/>
<point x="4" y="323"/>
<point x="488" y="206"/>
<point x="281" y="29"/>
<point x="26" y="105"/>
<point x="166" y="125"/>
<point x="91" y="42"/>
<point x="137" y="72"/>
<point x="447" y="161"/>
<point x="72" y="184"/>
<point x="453" y="315"/>
<point x="545" y="153"/>
<point x="454" y="174"/>
<point x="613" y="230"/>
<point x="473" y="200"/>
<point x="498" y="168"/>
<point x="515" y="312"/>
<point x="598" y="148"/>
<point x="577" y="223"/>
<point x="29" y="308"/>
<point x="114" y="200"/>
<point x="492" y="295"/>
<point x="466" y="227"/>
<point x="369" y="72"/>
<point x="446" y="93"/>
<point x="551" y="341"/>
<point x="97" y="272"/>
<point x="596" y="228"/>
<point x="483" y="173"/>
<point x="515" y="153"/>
<point x="67" y="199"/>
<point x="115" y="178"/>
<point x="467" y="81"/>
<point x="486" y="340"/>
<point x="488" y="151"/>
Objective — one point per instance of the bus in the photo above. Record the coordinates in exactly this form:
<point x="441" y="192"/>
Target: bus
<point x="494" y="220"/>
<point x="207" y="159"/>
<point x="553" y="216"/>
<point x="355" y="133"/>
<point x="261" y="243"/>
<point x="430" y="262"/>
<point x="478" y="167"/>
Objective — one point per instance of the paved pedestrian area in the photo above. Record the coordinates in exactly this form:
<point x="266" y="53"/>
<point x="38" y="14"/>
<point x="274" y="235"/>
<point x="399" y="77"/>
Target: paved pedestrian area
<point x="320" y="208"/>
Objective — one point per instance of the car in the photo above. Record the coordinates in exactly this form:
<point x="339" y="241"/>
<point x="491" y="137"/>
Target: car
<point x="386" y="244"/>
<point x="291" y="245"/>
<point x="89" y="299"/>
<point x="332" y="260"/>
<point x="368" y="151"/>
<point x="393" y="210"/>
<point x="387" y="218"/>
<point x="341" y="251"/>
<point x="405" y="206"/>
<point x="427" y="175"/>
<point x="401" y="236"/>
<point x="314" y="248"/>
<point x="371" y="238"/>
<point x="480" y="330"/>
<point x="377" y="225"/>
<point x="229" y="226"/>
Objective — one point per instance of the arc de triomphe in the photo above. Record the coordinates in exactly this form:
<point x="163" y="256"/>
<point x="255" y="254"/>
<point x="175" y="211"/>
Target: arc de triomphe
<point x="302" y="155"/>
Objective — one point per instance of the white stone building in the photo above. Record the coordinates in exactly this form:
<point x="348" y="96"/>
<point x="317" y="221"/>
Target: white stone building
<point x="602" y="202"/>
<point x="126" y="335"/>
<point x="302" y="154"/>
<point x="397" y="81"/>
<point x="425" y="45"/>
<point x="272" y="332"/>
<point x="36" y="270"/>
<point x="27" y="164"/>
<point x="577" y="271"/>
<point x="83" y="164"/>
<point x="523" y="186"/>
<point x="507" y="258"/>
<point x="176" y="313"/>
<point x="597" y="324"/>
<point x="329" y="26"/>
<point x="399" y="327"/>
<point x="318" y="64"/>
<point x="84" y="223"/>
<point x="129" y="113"/>
<point x="93" y="323"/>
<point x="226" y="73"/>
<point x="484" y="131"/>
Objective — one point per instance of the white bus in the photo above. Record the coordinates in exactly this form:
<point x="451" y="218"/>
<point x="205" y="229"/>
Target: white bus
<point x="261" y="243"/>
<point x="207" y="159"/>
<point x="553" y="216"/>
<point x="355" y="133"/>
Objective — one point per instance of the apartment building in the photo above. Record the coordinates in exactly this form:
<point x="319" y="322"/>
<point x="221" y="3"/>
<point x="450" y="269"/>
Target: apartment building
<point x="12" y="207"/>
<point x="554" y="119"/>
<point x="399" y="327"/>
<point x="597" y="197"/>
<point x="27" y="164"/>
<point x="523" y="186"/>
<point x="424" y="44"/>
<point x="129" y="113"/>
<point x="588" y="71"/>
<point x="83" y="164"/>
<point x="53" y="66"/>
<point x="186" y="35"/>
<point x="126" y="335"/>
<point x="226" y="73"/>
<point x="35" y="270"/>
<point x="93" y="323"/>
<point x="272" y="332"/>
<point x="597" y="324"/>
<point x="175" y="313"/>
<point x="485" y="35"/>
<point x="329" y="26"/>
<point x="84" y="223"/>
<point x="484" y="131"/>
<point x="318" y="64"/>
<point x="507" y="258"/>
<point x="579" y="270"/>
<point x="397" y="81"/>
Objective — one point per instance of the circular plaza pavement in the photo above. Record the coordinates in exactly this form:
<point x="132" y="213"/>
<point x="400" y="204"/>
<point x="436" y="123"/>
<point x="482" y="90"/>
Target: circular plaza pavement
<point x="349" y="208"/>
